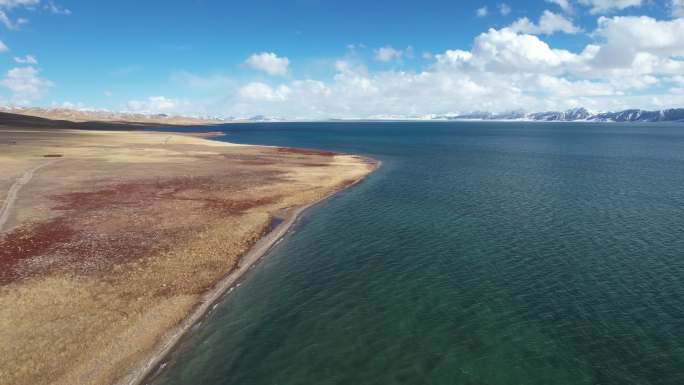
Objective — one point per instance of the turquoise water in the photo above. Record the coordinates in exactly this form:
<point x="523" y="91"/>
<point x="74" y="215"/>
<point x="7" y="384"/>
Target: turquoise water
<point x="480" y="253"/>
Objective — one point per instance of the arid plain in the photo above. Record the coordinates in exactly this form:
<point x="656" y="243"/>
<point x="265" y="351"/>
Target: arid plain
<point x="110" y="240"/>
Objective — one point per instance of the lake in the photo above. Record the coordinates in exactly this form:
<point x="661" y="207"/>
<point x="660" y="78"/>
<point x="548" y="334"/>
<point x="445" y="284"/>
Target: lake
<point x="497" y="253"/>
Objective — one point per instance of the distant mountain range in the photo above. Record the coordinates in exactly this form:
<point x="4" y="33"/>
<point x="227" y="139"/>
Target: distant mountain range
<point x="572" y="115"/>
<point x="575" y="115"/>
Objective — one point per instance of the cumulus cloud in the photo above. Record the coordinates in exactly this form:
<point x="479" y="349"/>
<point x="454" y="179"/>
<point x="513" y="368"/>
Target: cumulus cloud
<point x="269" y="62"/>
<point x="354" y="93"/>
<point x="25" y="84"/>
<point x="388" y="53"/>
<point x="504" y="9"/>
<point x="549" y="23"/>
<point x="505" y="50"/>
<point x="3" y="47"/>
<point x="625" y="37"/>
<point x="603" y="6"/>
<point x="482" y="11"/>
<point x="157" y="104"/>
<point x="263" y="92"/>
<point x="28" y="59"/>
<point x="677" y="8"/>
<point x="629" y="64"/>
<point x="565" y="5"/>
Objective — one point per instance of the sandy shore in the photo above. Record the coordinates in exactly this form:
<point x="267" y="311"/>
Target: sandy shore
<point x="114" y="243"/>
<point x="140" y="374"/>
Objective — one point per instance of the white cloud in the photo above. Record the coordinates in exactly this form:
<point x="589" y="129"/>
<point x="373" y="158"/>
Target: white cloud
<point x="269" y="62"/>
<point x="352" y="94"/>
<point x="603" y="6"/>
<point x="25" y="84"/>
<point x="388" y="53"/>
<point x="18" y="3"/>
<point x="549" y="23"/>
<point x="629" y="64"/>
<point x="7" y="6"/>
<point x="3" y="47"/>
<point x="482" y="11"/>
<point x="504" y="9"/>
<point x="454" y="57"/>
<point x="56" y="9"/>
<point x="157" y="104"/>
<point x="565" y="5"/>
<point x="9" y="23"/>
<point x="677" y="8"/>
<point x="28" y="59"/>
<point x="626" y="36"/>
<point x="505" y="50"/>
<point x="264" y="92"/>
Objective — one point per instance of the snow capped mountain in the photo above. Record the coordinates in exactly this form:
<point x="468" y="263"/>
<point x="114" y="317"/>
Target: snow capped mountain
<point x="581" y="114"/>
<point x="566" y="116"/>
<point x="670" y="115"/>
<point x="571" y="115"/>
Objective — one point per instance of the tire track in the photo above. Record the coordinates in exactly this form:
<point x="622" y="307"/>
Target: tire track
<point x="14" y="191"/>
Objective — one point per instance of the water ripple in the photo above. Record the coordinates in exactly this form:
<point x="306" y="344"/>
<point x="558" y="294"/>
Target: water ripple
<point x="498" y="254"/>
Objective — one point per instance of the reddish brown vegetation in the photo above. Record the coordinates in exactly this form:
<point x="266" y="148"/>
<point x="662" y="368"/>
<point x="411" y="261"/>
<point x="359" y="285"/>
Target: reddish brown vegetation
<point x="55" y="246"/>
<point x="229" y="206"/>
<point x="117" y="224"/>
<point x="201" y="189"/>
<point x="30" y="241"/>
<point x="132" y="193"/>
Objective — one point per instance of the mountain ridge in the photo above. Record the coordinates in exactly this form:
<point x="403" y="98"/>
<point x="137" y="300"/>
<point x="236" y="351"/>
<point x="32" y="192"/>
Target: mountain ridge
<point x="577" y="114"/>
<point x="570" y="115"/>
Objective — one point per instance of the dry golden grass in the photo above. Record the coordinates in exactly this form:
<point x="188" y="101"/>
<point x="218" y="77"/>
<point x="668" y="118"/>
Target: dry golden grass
<point x="112" y="245"/>
<point x="72" y="115"/>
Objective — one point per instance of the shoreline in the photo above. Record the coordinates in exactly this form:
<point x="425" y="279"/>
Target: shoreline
<point x="146" y="371"/>
<point x="110" y="255"/>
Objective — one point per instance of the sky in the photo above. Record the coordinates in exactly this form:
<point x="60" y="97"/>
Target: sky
<point x="315" y="59"/>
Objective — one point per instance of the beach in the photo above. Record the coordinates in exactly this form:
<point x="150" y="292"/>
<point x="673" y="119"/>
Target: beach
<point x="113" y="244"/>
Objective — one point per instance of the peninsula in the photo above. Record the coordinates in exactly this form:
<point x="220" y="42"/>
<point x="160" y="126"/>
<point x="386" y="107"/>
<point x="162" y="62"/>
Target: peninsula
<point x="113" y="242"/>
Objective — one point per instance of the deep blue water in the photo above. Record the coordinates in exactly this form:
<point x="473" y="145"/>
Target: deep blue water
<point x="480" y="253"/>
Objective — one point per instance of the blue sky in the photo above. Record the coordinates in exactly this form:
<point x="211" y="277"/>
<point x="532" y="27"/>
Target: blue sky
<point x="321" y="59"/>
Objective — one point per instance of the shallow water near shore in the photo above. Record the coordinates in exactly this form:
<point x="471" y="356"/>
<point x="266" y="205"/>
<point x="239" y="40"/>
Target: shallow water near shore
<point x="480" y="253"/>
